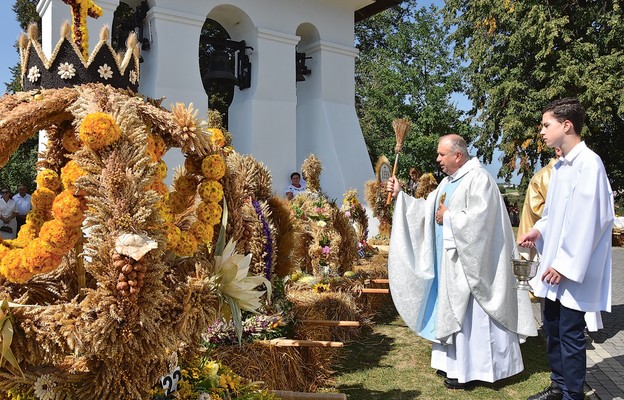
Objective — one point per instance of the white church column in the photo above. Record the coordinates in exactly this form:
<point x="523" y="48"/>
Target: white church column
<point x="327" y="123"/>
<point x="262" y="118"/>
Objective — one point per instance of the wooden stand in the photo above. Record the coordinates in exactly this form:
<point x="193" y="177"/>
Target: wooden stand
<point x="287" y="395"/>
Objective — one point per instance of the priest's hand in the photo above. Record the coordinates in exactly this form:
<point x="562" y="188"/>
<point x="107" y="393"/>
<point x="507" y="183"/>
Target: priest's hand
<point x="551" y="276"/>
<point x="394" y="186"/>
<point x="439" y="216"/>
<point x="529" y="238"/>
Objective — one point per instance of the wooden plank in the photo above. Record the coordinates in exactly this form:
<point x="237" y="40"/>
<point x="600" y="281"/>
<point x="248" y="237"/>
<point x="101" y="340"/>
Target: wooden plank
<point x="288" y="395"/>
<point x="304" y="343"/>
<point x="380" y="280"/>
<point x="325" y="322"/>
<point x="375" y="290"/>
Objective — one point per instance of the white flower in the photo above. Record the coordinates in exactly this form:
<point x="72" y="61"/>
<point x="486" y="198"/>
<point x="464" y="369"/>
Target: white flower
<point x="44" y="387"/>
<point x="105" y="72"/>
<point x="33" y="74"/>
<point x="204" y="396"/>
<point x="66" y="70"/>
<point x="232" y="269"/>
<point x="321" y="223"/>
<point x="134" y="77"/>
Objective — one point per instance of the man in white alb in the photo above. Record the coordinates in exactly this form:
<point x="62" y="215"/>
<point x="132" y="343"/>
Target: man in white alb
<point x="450" y="272"/>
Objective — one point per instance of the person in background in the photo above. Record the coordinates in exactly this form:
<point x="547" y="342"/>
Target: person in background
<point x="412" y="185"/>
<point x="574" y="239"/>
<point x="450" y="271"/>
<point x="297" y="185"/>
<point x="8" y="212"/>
<point x="22" y="199"/>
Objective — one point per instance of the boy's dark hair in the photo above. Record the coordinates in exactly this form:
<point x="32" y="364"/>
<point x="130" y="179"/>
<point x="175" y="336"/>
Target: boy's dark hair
<point x="569" y="108"/>
<point x="295" y="173"/>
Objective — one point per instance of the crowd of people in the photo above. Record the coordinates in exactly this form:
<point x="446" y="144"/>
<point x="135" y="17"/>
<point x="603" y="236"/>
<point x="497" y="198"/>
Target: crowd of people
<point x="13" y="211"/>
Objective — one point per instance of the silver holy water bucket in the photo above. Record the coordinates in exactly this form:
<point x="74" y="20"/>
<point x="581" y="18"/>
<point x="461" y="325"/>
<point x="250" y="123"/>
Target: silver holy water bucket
<point x="524" y="271"/>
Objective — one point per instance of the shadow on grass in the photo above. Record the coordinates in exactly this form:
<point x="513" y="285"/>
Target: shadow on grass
<point x="364" y="353"/>
<point x="358" y="392"/>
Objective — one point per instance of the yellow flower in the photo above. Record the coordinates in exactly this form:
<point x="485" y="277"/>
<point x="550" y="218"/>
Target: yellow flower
<point x="203" y="232"/>
<point x="173" y="235"/>
<point x="210" y="191"/>
<point x="161" y="170"/>
<point x="213" y="166"/>
<point x="185" y="184"/>
<point x="217" y="138"/>
<point x="48" y="179"/>
<point x="42" y="199"/>
<point x="209" y="212"/>
<point x="192" y="165"/>
<point x="99" y="130"/>
<point x="187" y="245"/>
<point x="177" y="202"/>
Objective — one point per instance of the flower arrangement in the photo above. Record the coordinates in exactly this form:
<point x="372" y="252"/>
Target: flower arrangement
<point x="355" y="212"/>
<point x="205" y="379"/>
<point x="376" y="196"/>
<point x="255" y="327"/>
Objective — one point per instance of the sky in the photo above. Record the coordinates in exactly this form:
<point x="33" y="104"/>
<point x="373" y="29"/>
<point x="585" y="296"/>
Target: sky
<point x="10" y="31"/>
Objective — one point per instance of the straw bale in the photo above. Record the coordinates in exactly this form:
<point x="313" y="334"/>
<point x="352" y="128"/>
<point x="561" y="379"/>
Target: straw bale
<point x="282" y="368"/>
<point x="335" y="306"/>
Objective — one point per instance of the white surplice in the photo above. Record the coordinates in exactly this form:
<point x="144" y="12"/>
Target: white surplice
<point x="577" y="220"/>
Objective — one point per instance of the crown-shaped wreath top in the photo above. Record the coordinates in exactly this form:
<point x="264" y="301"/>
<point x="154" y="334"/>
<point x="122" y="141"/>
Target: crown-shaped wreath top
<point x="69" y="66"/>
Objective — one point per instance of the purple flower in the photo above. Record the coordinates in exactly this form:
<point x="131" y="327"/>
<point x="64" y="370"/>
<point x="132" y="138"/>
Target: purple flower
<point x="326" y="250"/>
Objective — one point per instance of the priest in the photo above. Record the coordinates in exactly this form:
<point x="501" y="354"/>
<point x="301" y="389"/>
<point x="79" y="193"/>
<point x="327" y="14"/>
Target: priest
<point x="450" y="272"/>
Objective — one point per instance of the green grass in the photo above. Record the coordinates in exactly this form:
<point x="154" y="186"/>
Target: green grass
<point x="391" y="362"/>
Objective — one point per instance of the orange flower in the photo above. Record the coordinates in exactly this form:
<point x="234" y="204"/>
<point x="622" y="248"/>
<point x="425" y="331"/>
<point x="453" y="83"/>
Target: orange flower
<point x="48" y="179"/>
<point x="70" y="141"/>
<point x="156" y="147"/>
<point x="159" y="187"/>
<point x="69" y="174"/>
<point x="42" y="199"/>
<point x="213" y="166"/>
<point x="40" y="257"/>
<point x="13" y="268"/>
<point x="99" y="130"/>
<point x="210" y="191"/>
<point x="68" y="209"/>
<point x="60" y="237"/>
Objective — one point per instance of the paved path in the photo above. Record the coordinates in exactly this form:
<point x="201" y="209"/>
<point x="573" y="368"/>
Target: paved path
<point x="605" y="350"/>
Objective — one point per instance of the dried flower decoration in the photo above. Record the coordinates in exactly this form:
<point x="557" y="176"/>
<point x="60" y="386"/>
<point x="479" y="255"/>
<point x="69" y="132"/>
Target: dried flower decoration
<point x="34" y="74"/>
<point x="66" y="70"/>
<point x="105" y="72"/>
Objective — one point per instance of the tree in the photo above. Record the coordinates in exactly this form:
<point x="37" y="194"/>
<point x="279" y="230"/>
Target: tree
<point x="522" y="54"/>
<point x="406" y="69"/>
<point x="21" y="166"/>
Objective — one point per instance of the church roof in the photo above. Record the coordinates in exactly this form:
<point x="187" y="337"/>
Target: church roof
<point x="375" y="8"/>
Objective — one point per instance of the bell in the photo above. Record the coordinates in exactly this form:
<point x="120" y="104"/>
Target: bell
<point x="220" y="67"/>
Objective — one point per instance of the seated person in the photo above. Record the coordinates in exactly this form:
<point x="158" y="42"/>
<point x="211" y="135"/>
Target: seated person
<point x="296" y="186"/>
